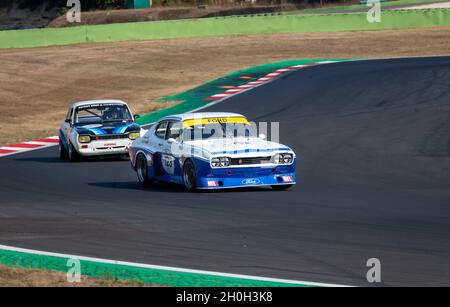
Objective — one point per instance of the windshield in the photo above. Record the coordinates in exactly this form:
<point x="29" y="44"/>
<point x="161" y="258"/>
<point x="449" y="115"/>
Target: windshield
<point x="99" y="113"/>
<point x="218" y="131"/>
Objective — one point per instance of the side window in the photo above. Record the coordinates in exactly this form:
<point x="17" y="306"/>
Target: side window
<point x="69" y="114"/>
<point x="174" y="130"/>
<point x="160" y="130"/>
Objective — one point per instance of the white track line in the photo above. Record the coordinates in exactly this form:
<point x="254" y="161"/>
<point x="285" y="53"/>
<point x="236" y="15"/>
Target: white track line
<point x="168" y="268"/>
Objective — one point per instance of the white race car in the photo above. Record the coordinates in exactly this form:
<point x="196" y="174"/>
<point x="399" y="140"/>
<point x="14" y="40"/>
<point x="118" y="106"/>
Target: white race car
<point x="211" y="151"/>
<point x="97" y="127"/>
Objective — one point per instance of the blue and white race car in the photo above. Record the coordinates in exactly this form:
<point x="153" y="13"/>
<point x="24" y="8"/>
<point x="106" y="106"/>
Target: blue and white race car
<point x="211" y="151"/>
<point x="97" y="128"/>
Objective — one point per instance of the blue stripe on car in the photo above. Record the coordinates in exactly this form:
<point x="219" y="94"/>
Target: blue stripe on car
<point x="122" y="129"/>
<point x="248" y="150"/>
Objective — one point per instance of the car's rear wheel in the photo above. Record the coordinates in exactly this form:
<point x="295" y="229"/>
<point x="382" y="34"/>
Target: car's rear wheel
<point x="63" y="154"/>
<point x="281" y="187"/>
<point x="189" y="175"/>
<point x="73" y="154"/>
<point x="142" y="170"/>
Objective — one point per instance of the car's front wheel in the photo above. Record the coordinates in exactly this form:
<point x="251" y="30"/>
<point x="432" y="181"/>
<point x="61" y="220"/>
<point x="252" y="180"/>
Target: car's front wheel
<point x="142" y="170"/>
<point x="189" y="175"/>
<point x="73" y="154"/>
<point x="63" y="154"/>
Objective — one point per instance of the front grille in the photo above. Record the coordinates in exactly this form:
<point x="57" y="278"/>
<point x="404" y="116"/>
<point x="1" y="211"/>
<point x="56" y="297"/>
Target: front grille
<point x="251" y="161"/>
<point x="111" y="137"/>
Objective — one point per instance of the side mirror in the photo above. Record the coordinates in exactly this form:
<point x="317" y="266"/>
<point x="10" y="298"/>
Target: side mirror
<point x="136" y="116"/>
<point x="67" y="121"/>
<point x="262" y="136"/>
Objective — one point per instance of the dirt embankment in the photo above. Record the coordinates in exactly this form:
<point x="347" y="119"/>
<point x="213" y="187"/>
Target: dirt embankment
<point x="53" y="14"/>
<point x="37" y="85"/>
<point x="170" y="13"/>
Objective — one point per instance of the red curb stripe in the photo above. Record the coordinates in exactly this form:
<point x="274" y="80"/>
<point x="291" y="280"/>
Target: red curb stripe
<point x="24" y="145"/>
<point x="47" y="140"/>
<point x="236" y="89"/>
<point x="5" y="151"/>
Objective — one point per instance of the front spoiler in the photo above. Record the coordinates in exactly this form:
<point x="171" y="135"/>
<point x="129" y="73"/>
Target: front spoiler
<point x="243" y="182"/>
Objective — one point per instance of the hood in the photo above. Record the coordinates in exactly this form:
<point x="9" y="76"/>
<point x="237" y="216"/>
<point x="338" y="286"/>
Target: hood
<point x="236" y="146"/>
<point x="108" y="128"/>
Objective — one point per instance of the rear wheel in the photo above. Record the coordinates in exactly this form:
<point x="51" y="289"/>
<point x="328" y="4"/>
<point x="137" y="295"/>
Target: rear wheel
<point x="189" y="175"/>
<point x="142" y="170"/>
<point x="63" y="154"/>
<point x="281" y="187"/>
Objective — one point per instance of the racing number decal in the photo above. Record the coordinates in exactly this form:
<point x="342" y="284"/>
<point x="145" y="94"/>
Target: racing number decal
<point x="168" y="163"/>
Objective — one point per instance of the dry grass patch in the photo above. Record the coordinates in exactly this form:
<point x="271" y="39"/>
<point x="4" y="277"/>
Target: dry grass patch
<point x="18" y="277"/>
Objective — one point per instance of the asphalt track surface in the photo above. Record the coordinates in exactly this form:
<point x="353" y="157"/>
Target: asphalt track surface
<point x="373" y="140"/>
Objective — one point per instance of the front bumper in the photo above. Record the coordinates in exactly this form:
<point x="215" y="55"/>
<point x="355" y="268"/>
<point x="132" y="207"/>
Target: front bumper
<point x="208" y="178"/>
<point x="106" y="147"/>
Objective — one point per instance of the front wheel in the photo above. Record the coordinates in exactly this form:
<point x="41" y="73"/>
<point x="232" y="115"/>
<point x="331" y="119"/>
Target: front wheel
<point x="73" y="154"/>
<point x="281" y="187"/>
<point x="142" y="170"/>
<point x="189" y="175"/>
<point x="63" y="154"/>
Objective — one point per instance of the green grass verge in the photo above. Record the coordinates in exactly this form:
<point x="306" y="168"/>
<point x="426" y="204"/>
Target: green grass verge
<point x="155" y="276"/>
<point x="235" y="25"/>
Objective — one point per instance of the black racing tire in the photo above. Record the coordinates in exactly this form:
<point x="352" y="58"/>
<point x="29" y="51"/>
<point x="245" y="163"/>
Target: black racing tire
<point x="73" y="155"/>
<point x="281" y="187"/>
<point x="189" y="175"/>
<point x="63" y="154"/>
<point x="142" y="170"/>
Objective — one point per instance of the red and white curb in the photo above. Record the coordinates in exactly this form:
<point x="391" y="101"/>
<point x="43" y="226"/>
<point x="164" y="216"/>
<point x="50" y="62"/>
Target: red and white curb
<point x="267" y="78"/>
<point x="13" y="149"/>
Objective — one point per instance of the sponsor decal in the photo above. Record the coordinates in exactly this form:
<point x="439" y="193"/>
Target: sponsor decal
<point x="287" y="178"/>
<point x="212" y="183"/>
<point x="251" y="181"/>
<point x="215" y="120"/>
<point x="168" y="163"/>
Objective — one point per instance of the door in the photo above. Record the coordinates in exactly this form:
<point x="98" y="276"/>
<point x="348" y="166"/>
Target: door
<point x="157" y="142"/>
<point x="65" y="129"/>
<point x="171" y="151"/>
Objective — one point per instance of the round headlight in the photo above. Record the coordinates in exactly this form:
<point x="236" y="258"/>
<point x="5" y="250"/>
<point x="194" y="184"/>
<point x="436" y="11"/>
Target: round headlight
<point x="225" y="161"/>
<point x="134" y="135"/>
<point x="277" y="159"/>
<point x="84" y="138"/>
<point x="215" y="162"/>
<point x="287" y="158"/>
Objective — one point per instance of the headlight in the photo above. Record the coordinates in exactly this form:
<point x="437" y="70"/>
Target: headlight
<point x="277" y="159"/>
<point x="285" y="158"/>
<point x="84" y="138"/>
<point x="220" y="162"/>
<point x="225" y="161"/>
<point x="215" y="162"/>
<point x="134" y="135"/>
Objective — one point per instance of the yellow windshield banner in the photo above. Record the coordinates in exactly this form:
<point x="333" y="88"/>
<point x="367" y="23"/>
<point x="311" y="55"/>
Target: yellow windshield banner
<point x="215" y="120"/>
